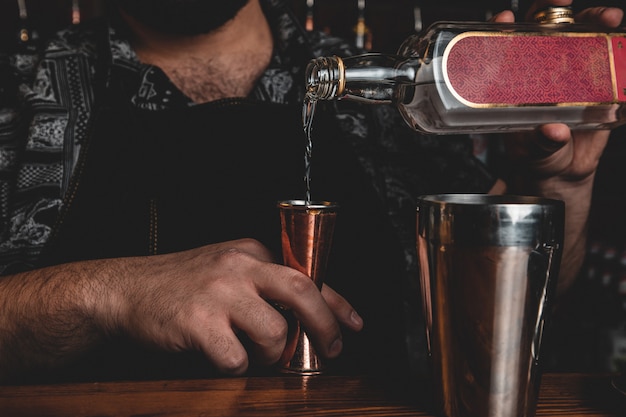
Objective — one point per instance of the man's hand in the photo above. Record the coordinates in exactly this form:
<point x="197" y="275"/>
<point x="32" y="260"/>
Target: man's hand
<point x="553" y="151"/>
<point x="204" y="299"/>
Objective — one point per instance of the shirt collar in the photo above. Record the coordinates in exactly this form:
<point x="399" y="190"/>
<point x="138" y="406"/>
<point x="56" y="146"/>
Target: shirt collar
<point x="281" y="82"/>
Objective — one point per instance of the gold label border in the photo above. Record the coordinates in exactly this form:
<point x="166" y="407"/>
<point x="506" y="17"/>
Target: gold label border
<point x="456" y="39"/>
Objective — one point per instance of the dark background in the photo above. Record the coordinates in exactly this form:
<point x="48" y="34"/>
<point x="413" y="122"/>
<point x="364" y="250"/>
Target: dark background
<point x="388" y="21"/>
<point x="590" y="329"/>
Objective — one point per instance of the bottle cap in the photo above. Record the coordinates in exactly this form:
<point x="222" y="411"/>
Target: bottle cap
<point x="555" y="15"/>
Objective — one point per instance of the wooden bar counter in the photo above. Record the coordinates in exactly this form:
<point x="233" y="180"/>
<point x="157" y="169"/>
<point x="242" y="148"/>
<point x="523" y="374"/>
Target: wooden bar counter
<point x="562" y="394"/>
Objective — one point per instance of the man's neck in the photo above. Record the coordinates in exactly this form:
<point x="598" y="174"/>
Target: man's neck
<point x="224" y="63"/>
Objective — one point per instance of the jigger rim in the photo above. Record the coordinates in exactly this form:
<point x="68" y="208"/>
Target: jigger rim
<point x="306" y="204"/>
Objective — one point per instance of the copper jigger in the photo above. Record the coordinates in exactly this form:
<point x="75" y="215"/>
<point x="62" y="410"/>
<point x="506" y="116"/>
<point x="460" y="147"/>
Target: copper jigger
<point x="306" y="233"/>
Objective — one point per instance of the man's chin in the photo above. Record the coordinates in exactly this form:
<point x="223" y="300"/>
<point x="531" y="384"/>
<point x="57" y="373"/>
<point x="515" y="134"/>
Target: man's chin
<point x="182" y="17"/>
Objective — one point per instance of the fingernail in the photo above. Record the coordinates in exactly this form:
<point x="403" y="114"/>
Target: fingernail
<point x="355" y="318"/>
<point x="335" y="347"/>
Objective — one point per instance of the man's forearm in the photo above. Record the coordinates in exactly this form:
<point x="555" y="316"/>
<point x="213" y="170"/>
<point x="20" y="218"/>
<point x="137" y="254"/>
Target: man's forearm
<point x="577" y="198"/>
<point x="45" y="318"/>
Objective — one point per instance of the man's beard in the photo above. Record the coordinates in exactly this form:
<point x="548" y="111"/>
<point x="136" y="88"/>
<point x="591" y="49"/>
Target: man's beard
<point x="182" y="17"/>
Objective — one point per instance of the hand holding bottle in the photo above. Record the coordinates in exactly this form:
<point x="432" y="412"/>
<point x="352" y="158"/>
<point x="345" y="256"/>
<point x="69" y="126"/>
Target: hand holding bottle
<point x="472" y="77"/>
<point x="555" y="150"/>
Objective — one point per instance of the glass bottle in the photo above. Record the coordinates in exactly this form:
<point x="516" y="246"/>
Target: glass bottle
<point x="470" y="77"/>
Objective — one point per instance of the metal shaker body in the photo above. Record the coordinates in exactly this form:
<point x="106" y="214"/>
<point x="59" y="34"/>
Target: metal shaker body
<point x="488" y="270"/>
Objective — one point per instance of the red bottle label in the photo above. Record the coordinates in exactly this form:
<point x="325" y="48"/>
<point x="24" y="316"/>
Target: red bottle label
<point x="487" y="70"/>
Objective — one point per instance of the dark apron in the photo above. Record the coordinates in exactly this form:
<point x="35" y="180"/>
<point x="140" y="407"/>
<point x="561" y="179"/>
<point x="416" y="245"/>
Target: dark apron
<point x="154" y="182"/>
<point x="165" y="181"/>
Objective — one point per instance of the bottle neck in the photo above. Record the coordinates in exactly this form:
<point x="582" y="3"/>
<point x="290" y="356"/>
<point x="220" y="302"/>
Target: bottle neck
<point x="369" y="77"/>
<point x="325" y="78"/>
